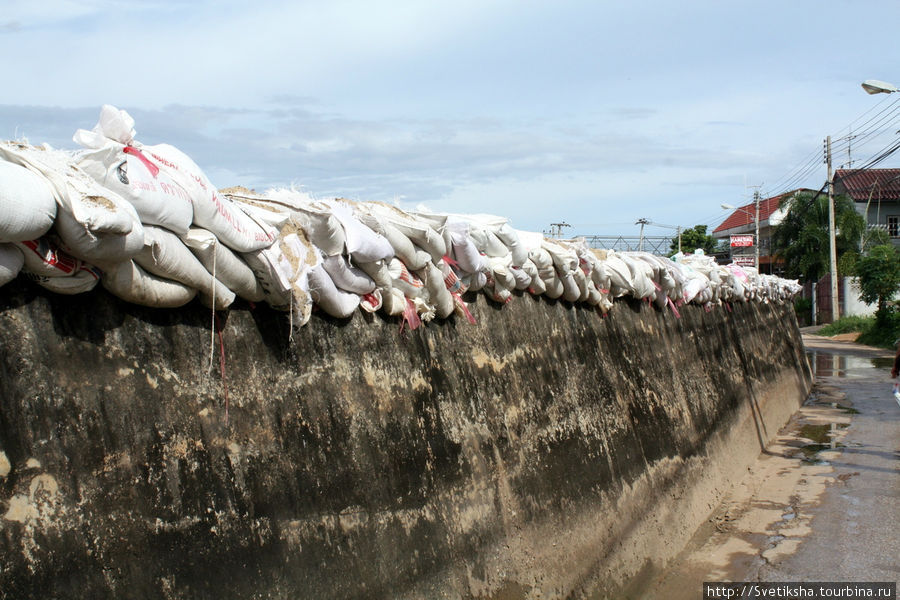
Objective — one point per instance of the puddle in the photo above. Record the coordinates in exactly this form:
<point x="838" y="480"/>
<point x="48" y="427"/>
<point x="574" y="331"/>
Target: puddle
<point x="826" y="364"/>
<point x="821" y="434"/>
<point x="882" y="362"/>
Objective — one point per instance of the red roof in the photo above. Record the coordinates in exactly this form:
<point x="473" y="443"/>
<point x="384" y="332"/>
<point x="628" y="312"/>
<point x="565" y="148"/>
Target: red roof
<point x="883" y="184"/>
<point x="746" y="215"/>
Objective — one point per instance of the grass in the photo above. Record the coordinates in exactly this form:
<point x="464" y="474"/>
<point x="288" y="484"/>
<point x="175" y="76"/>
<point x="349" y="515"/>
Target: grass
<point x="881" y="333"/>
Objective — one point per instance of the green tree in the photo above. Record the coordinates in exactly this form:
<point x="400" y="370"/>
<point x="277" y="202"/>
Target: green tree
<point x="693" y="238"/>
<point x="802" y="240"/>
<point x="879" y="277"/>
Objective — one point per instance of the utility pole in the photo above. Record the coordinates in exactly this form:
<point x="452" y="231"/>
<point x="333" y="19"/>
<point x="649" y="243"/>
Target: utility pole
<point x="756" y="201"/>
<point x="641" y="222"/>
<point x="556" y="229"/>
<point x="835" y="309"/>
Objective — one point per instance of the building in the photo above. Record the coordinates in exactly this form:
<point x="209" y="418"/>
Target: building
<point x="742" y="223"/>
<point x="876" y="194"/>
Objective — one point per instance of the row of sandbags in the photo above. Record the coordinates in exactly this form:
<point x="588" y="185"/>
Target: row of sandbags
<point x="150" y="226"/>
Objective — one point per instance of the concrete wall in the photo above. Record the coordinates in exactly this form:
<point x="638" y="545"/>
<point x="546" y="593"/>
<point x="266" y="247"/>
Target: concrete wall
<point x="544" y="450"/>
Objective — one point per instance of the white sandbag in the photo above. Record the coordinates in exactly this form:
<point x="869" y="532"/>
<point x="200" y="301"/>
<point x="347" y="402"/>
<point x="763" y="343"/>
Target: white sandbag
<point x="405" y="280"/>
<point x="11" y="262"/>
<point x="475" y="282"/>
<point x="438" y="295"/>
<point x="328" y="297"/>
<point x="83" y="280"/>
<point x="393" y="302"/>
<point x="619" y="275"/>
<point x="347" y="277"/>
<point x="510" y="239"/>
<point x="523" y="279"/>
<point x="282" y="269"/>
<point x="465" y="253"/>
<point x="99" y="247"/>
<point x="27" y="204"/>
<point x="324" y="230"/>
<point x="554" y="288"/>
<point x="372" y="301"/>
<point x="129" y="282"/>
<point x="222" y="262"/>
<point x="641" y="276"/>
<point x="235" y="228"/>
<point x="44" y="257"/>
<point x="95" y="207"/>
<point x="403" y="247"/>
<point x="571" y="292"/>
<point x="165" y="255"/>
<point x="582" y="281"/>
<point x="496" y="292"/>
<point x="564" y="259"/>
<point x="362" y="244"/>
<point x="417" y="230"/>
<point x="494" y="247"/>
<point x="157" y="198"/>
<point x="501" y="272"/>
<point x="537" y="287"/>
<point x="378" y="272"/>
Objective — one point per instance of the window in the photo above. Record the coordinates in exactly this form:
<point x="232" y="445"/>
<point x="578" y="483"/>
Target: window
<point x="893" y="226"/>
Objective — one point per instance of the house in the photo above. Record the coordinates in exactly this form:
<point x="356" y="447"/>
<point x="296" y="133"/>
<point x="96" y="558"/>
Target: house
<point x="742" y="222"/>
<point x="876" y="194"/>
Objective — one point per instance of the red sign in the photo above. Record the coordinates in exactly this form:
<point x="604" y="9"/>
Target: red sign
<point x="741" y="241"/>
<point x="744" y="261"/>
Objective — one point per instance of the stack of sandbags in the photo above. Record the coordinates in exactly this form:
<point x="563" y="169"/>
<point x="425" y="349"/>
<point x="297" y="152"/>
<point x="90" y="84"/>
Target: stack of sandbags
<point x="149" y="224"/>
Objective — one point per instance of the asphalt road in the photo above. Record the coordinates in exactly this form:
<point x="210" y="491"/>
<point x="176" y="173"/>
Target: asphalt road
<point x="822" y="502"/>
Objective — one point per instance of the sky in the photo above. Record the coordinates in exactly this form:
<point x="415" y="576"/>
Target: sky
<point x="592" y="113"/>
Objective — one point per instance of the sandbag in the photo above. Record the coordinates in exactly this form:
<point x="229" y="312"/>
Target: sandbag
<point x="99" y="247"/>
<point x="405" y="280"/>
<point x="417" y="230"/>
<point x="165" y="255"/>
<point x="362" y="244"/>
<point x="83" y="280"/>
<point x="96" y="208"/>
<point x="438" y="295"/>
<point x="126" y="170"/>
<point x="510" y="239"/>
<point x="27" y="204"/>
<point x="44" y="257"/>
<point x="218" y="214"/>
<point x="393" y="301"/>
<point x="11" y="262"/>
<point x="347" y="277"/>
<point x="224" y="263"/>
<point x="129" y="282"/>
<point x="283" y="268"/>
<point x="328" y="297"/>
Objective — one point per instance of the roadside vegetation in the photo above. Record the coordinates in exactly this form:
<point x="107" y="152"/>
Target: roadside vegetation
<point x="872" y="333"/>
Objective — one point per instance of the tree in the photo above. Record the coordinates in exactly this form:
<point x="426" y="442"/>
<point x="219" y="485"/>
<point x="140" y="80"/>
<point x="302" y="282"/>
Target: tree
<point x="879" y="277"/>
<point x="802" y="240"/>
<point x="693" y="238"/>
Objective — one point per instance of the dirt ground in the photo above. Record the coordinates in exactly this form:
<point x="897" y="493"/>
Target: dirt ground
<point x="822" y="502"/>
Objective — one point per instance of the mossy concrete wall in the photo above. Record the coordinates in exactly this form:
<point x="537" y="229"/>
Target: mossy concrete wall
<point x="543" y="451"/>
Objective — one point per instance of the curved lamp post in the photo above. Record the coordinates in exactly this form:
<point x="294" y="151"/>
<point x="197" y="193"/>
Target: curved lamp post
<point x="874" y="86"/>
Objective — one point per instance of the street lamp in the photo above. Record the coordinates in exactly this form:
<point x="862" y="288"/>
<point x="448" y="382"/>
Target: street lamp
<point x="873" y="86"/>
<point x="756" y="218"/>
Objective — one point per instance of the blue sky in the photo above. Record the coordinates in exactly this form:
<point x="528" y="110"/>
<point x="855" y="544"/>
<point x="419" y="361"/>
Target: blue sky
<point x="589" y="112"/>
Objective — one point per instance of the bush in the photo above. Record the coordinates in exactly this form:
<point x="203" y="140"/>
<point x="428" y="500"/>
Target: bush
<point x="848" y="325"/>
<point x="803" y="309"/>
<point x="884" y="331"/>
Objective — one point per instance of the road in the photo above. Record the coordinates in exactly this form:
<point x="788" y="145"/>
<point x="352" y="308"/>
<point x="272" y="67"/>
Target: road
<point x="822" y="502"/>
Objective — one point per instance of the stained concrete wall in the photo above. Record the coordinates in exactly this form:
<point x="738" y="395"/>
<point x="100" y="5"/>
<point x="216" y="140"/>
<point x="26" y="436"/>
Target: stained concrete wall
<point x="545" y="450"/>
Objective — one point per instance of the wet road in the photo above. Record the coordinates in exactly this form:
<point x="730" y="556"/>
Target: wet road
<point x="822" y="503"/>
